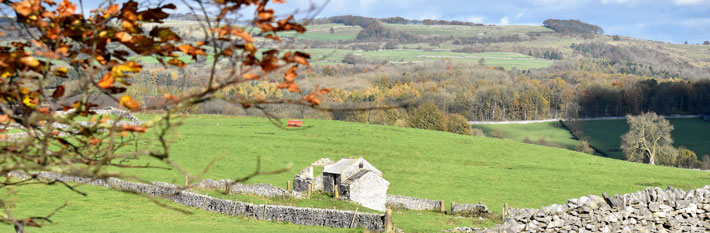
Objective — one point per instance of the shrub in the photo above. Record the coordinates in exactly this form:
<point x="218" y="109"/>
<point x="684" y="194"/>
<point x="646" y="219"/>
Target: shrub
<point x="497" y="134"/>
<point x="478" y="132"/>
<point x="457" y="123"/>
<point x="584" y="147"/>
<point x="686" y="158"/>
<point x="527" y="140"/>
<point x="427" y="116"/>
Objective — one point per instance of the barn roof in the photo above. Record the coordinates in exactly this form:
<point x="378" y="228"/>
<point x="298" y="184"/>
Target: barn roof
<point x="342" y="165"/>
<point x="361" y="174"/>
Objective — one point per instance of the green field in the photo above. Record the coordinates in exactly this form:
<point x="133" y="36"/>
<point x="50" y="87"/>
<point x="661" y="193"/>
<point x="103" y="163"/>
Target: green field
<point x="418" y="163"/>
<point x="468" y="31"/>
<point x="606" y="135"/>
<point x="551" y="131"/>
<point x="506" y="60"/>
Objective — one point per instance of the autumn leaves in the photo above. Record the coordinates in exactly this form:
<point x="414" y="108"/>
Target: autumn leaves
<point x="88" y="44"/>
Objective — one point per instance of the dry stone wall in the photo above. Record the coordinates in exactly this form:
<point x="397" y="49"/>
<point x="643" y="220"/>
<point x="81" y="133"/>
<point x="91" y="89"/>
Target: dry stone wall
<point x="411" y="203"/>
<point x="295" y="215"/>
<point x="468" y="209"/>
<point x="648" y="210"/>
<point x="263" y="190"/>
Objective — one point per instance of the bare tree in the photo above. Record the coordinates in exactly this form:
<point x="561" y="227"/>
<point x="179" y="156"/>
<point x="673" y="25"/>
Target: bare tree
<point x="649" y="139"/>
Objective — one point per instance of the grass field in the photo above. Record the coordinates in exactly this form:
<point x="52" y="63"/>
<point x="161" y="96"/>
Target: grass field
<point x="551" y="131"/>
<point x="468" y="31"/>
<point x="507" y="60"/>
<point x="606" y="135"/>
<point x="418" y="163"/>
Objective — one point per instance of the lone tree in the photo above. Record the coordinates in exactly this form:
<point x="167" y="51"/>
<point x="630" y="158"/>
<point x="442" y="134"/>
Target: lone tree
<point x="102" y="49"/>
<point x="648" y="140"/>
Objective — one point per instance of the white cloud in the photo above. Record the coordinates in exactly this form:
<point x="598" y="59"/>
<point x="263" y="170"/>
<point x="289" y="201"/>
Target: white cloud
<point x="690" y="2"/>
<point x="519" y="15"/>
<point x="504" y="21"/>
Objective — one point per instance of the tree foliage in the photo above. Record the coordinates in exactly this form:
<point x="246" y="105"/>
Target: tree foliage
<point x="427" y="116"/>
<point x="648" y="140"/>
<point x="456" y="123"/>
<point x="97" y="51"/>
<point x="572" y="26"/>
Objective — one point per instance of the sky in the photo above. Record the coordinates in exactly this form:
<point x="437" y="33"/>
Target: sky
<point x="673" y="21"/>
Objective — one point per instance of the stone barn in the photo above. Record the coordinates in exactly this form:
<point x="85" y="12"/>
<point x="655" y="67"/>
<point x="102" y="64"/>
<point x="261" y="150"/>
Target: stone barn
<point x="306" y="176"/>
<point x="358" y="181"/>
<point x="367" y="189"/>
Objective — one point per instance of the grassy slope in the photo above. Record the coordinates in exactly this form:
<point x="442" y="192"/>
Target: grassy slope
<point x="418" y="163"/>
<point x="551" y="131"/>
<point x="104" y="210"/>
<point x="606" y="135"/>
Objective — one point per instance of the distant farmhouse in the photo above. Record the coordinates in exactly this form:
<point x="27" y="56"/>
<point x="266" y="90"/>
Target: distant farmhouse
<point x="353" y="178"/>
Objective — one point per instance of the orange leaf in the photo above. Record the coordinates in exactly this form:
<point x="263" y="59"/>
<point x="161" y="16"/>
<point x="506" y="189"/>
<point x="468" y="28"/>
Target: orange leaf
<point x="59" y="92"/>
<point x="176" y="62"/>
<point x="30" y="61"/>
<point x="129" y="103"/>
<point x="243" y="34"/>
<point x="279" y="1"/>
<point x="124" y="37"/>
<point x="291" y="74"/>
<point x="301" y="58"/>
<point x="133" y="128"/>
<point x="293" y="87"/>
<point x="44" y="110"/>
<point x="250" y="76"/>
<point x="107" y="81"/>
<point x="273" y="37"/>
<point x="266" y="14"/>
<point x="66" y="8"/>
<point x="95" y="141"/>
<point x="4" y="118"/>
<point x="23" y="8"/>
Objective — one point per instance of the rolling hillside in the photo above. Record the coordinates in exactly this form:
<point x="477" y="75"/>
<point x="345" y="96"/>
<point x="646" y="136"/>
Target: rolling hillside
<point x="419" y="163"/>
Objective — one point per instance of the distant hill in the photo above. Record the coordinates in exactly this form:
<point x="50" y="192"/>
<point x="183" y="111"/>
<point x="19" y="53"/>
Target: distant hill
<point x="572" y="26"/>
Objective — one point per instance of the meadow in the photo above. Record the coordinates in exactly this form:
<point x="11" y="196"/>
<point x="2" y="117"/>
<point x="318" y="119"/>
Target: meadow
<point x="552" y="132"/>
<point x="418" y="163"/>
<point x="606" y="135"/>
<point x="507" y="60"/>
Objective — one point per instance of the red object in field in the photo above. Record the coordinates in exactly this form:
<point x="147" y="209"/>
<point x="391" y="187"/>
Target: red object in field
<point x="294" y="123"/>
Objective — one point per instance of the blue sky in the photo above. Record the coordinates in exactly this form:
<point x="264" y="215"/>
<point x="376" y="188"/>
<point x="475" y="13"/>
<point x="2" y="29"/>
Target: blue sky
<point x="663" y="20"/>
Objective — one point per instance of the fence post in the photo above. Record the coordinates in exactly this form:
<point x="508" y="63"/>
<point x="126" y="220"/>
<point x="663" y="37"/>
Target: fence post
<point x="354" y="216"/>
<point x="388" y="221"/>
<point x="505" y="210"/>
<point x="452" y="207"/>
<point x="337" y="193"/>
<point x="443" y="207"/>
<point x="310" y="189"/>
<point x="288" y="186"/>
